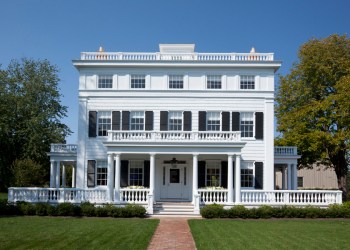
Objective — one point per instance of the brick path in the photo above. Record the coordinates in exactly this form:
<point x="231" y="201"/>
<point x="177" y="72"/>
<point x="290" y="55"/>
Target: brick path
<point x="172" y="233"/>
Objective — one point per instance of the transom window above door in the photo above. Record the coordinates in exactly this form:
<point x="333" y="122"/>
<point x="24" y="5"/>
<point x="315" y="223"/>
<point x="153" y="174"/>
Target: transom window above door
<point x="175" y="121"/>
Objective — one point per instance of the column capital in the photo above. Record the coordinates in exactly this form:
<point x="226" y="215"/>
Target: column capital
<point x="152" y="154"/>
<point x="195" y="154"/>
<point x="230" y="155"/>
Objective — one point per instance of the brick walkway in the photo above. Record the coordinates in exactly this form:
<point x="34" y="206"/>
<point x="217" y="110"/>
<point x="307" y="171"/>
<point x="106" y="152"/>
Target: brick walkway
<point x="172" y="233"/>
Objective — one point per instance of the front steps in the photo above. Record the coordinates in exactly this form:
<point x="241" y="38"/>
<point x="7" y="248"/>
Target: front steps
<point x="173" y="208"/>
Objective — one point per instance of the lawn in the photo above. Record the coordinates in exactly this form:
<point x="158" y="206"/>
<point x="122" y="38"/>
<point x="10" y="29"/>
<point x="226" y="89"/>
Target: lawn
<point x="75" y="233"/>
<point x="3" y="196"/>
<point x="271" y="234"/>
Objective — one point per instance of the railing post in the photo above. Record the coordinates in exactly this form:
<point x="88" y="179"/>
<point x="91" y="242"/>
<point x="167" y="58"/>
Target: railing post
<point x="339" y="197"/>
<point x="10" y="195"/>
<point x="196" y="203"/>
<point x="150" y="204"/>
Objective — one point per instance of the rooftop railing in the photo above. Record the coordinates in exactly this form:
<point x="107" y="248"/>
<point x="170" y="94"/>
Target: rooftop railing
<point x="279" y="150"/>
<point x="206" y="57"/>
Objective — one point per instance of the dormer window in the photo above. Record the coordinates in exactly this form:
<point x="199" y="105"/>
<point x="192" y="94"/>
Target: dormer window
<point x="247" y="82"/>
<point x="105" y="81"/>
<point x="176" y="82"/>
<point x="213" y="82"/>
<point x="138" y="82"/>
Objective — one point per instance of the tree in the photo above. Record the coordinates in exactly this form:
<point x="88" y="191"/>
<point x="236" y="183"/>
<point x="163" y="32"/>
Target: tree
<point x="313" y="105"/>
<point x="30" y="114"/>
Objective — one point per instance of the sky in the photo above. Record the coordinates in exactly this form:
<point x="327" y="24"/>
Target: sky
<point x="58" y="30"/>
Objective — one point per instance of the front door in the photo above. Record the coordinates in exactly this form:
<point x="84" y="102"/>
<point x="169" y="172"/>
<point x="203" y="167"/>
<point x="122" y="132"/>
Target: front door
<point x="174" y="183"/>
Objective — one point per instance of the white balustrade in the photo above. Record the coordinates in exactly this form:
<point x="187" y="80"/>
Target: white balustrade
<point x="57" y="195"/>
<point x="64" y="148"/>
<point x="158" y="136"/>
<point x="130" y="56"/>
<point x="290" y="197"/>
<point x="212" y="196"/>
<point x="279" y="150"/>
<point x="131" y="195"/>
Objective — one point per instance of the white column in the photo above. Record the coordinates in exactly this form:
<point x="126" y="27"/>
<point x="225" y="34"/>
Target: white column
<point x="284" y="178"/>
<point x="152" y="173"/>
<point x="58" y="169"/>
<point x="52" y="174"/>
<point x="110" y="176"/>
<point x="295" y="176"/>
<point x="289" y="172"/>
<point x="117" y="178"/>
<point x="63" y="175"/>
<point x="230" y="178"/>
<point x="73" y="176"/>
<point x="195" y="176"/>
<point x="238" y="179"/>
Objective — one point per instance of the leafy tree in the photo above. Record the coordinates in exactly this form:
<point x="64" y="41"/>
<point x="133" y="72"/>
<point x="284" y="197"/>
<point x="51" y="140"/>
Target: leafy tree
<point x="313" y="105"/>
<point x="30" y="113"/>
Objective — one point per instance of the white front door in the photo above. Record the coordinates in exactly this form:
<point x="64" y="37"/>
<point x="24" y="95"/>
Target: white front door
<point x="175" y="182"/>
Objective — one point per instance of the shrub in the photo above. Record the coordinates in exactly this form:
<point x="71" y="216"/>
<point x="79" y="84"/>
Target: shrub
<point x="52" y="210"/>
<point x="238" y="211"/>
<point x="68" y="209"/>
<point x="101" y="211"/>
<point x="26" y="208"/>
<point x="133" y="210"/>
<point x="41" y="209"/>
<point x="87" y="209"/>
<point x="264" y="212"/>
<point x="213" y="211"/>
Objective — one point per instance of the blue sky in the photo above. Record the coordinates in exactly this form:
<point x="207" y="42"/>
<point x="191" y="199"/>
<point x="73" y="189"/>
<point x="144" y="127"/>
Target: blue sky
<point x="58" y="30"/>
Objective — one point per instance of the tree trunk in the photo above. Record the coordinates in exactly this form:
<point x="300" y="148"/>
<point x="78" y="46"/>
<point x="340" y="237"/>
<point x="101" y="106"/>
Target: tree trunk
<point x="341" y="169"/>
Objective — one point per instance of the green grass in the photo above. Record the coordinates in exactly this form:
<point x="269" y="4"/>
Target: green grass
<point x="271" y="234"/>
<point x="75" y="233"/>
<point x="3" y="196"/>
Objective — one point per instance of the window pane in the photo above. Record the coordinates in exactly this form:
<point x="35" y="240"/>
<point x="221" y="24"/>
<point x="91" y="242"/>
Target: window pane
<point x="176" y="82"/>
<point x="247" y="175"/>
<point x="101" y="173"/>
<point x="136" y="173"/>
<point x="138" y="81"/>
<point x="104" y="122"/>
<point x="105" y="81"/>
<point x="213" y="82"/>
<point x="247" y="124"/>
<point x="213" y="121"/>
<point x="137" y="119"/>
<point x="247" y="82"/>
<point x="213" y="174"/>
<point x="175" y="121"/>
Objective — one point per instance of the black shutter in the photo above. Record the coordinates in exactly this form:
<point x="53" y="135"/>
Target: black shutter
<point x="187" y="121"/>
<point x="259" y="175"/>
<point x="124" y="173"/>
<point x="163" y="120"/>
<point x="225" y="121"/>
<point x="201" y="174"/>
<point x="116" y="120"/>
<point x="259" y="125"/>
<point x="202" y="120"/>
<point x="92" y="123"/>
<point x="125" y="120"/>
<point x="91" y="173"/>
<point x="149" y="121"/>
<point x="146" y="173"/>
<point x="235" y="121"/>
<point x="224" y="174"/>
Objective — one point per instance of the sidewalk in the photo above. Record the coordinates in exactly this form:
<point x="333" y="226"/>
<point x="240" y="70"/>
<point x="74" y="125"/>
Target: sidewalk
<point x="172" y="233"/>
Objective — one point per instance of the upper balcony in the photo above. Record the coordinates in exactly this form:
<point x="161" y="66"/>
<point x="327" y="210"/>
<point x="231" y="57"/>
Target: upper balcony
<point x="179" y="57"/>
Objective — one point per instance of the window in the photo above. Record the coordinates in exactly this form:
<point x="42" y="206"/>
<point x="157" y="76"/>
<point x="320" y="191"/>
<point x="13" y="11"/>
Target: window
<point x="300" y="181"/>
<point x="213" y="174"/>
<point x="176" y="82"/>
<point x="138" y="81"/>
<point x="105" y="82"/>
<point x="213" y="121"/>
<point x="247" y="175"/>
<point x="137" y="120"/>
<point x="136" y="173"/>
<point x="175" y="121"/>
<point x="101" y="173"/>
<point x="247" y="82"/>
<point x="104" y="122"/>
<point x="247" y="124"/>
<point x="213" y="82"/>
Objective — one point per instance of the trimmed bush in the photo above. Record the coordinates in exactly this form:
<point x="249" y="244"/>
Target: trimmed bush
<point x="213" y="211"/>
<point x="26" y="208"/>
<point x="41" y="209"/>
<point x="87" y="209"/>
<point x="238" y="211"/>
<point x="68" y="209"/>
<point x="133" y="210"/>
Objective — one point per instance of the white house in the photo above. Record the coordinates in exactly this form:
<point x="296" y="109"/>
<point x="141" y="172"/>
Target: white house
<point x="175" y="126"/>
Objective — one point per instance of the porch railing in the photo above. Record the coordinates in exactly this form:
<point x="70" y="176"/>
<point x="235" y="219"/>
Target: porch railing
<point x="128" y="195"/>
<point x="279" y="151"/>
<point x="64" y="148"/>
<point x="291" y="197"/>
<point x="57" y="195"/>
<point x="159" y="136"/>
<point x="142" y="56"/>
<point x="212" y="196"/>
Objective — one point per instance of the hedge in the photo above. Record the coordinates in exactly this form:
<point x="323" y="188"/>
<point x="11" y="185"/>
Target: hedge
<point x="69" y="209"/>
<point x="264" y="212"/>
